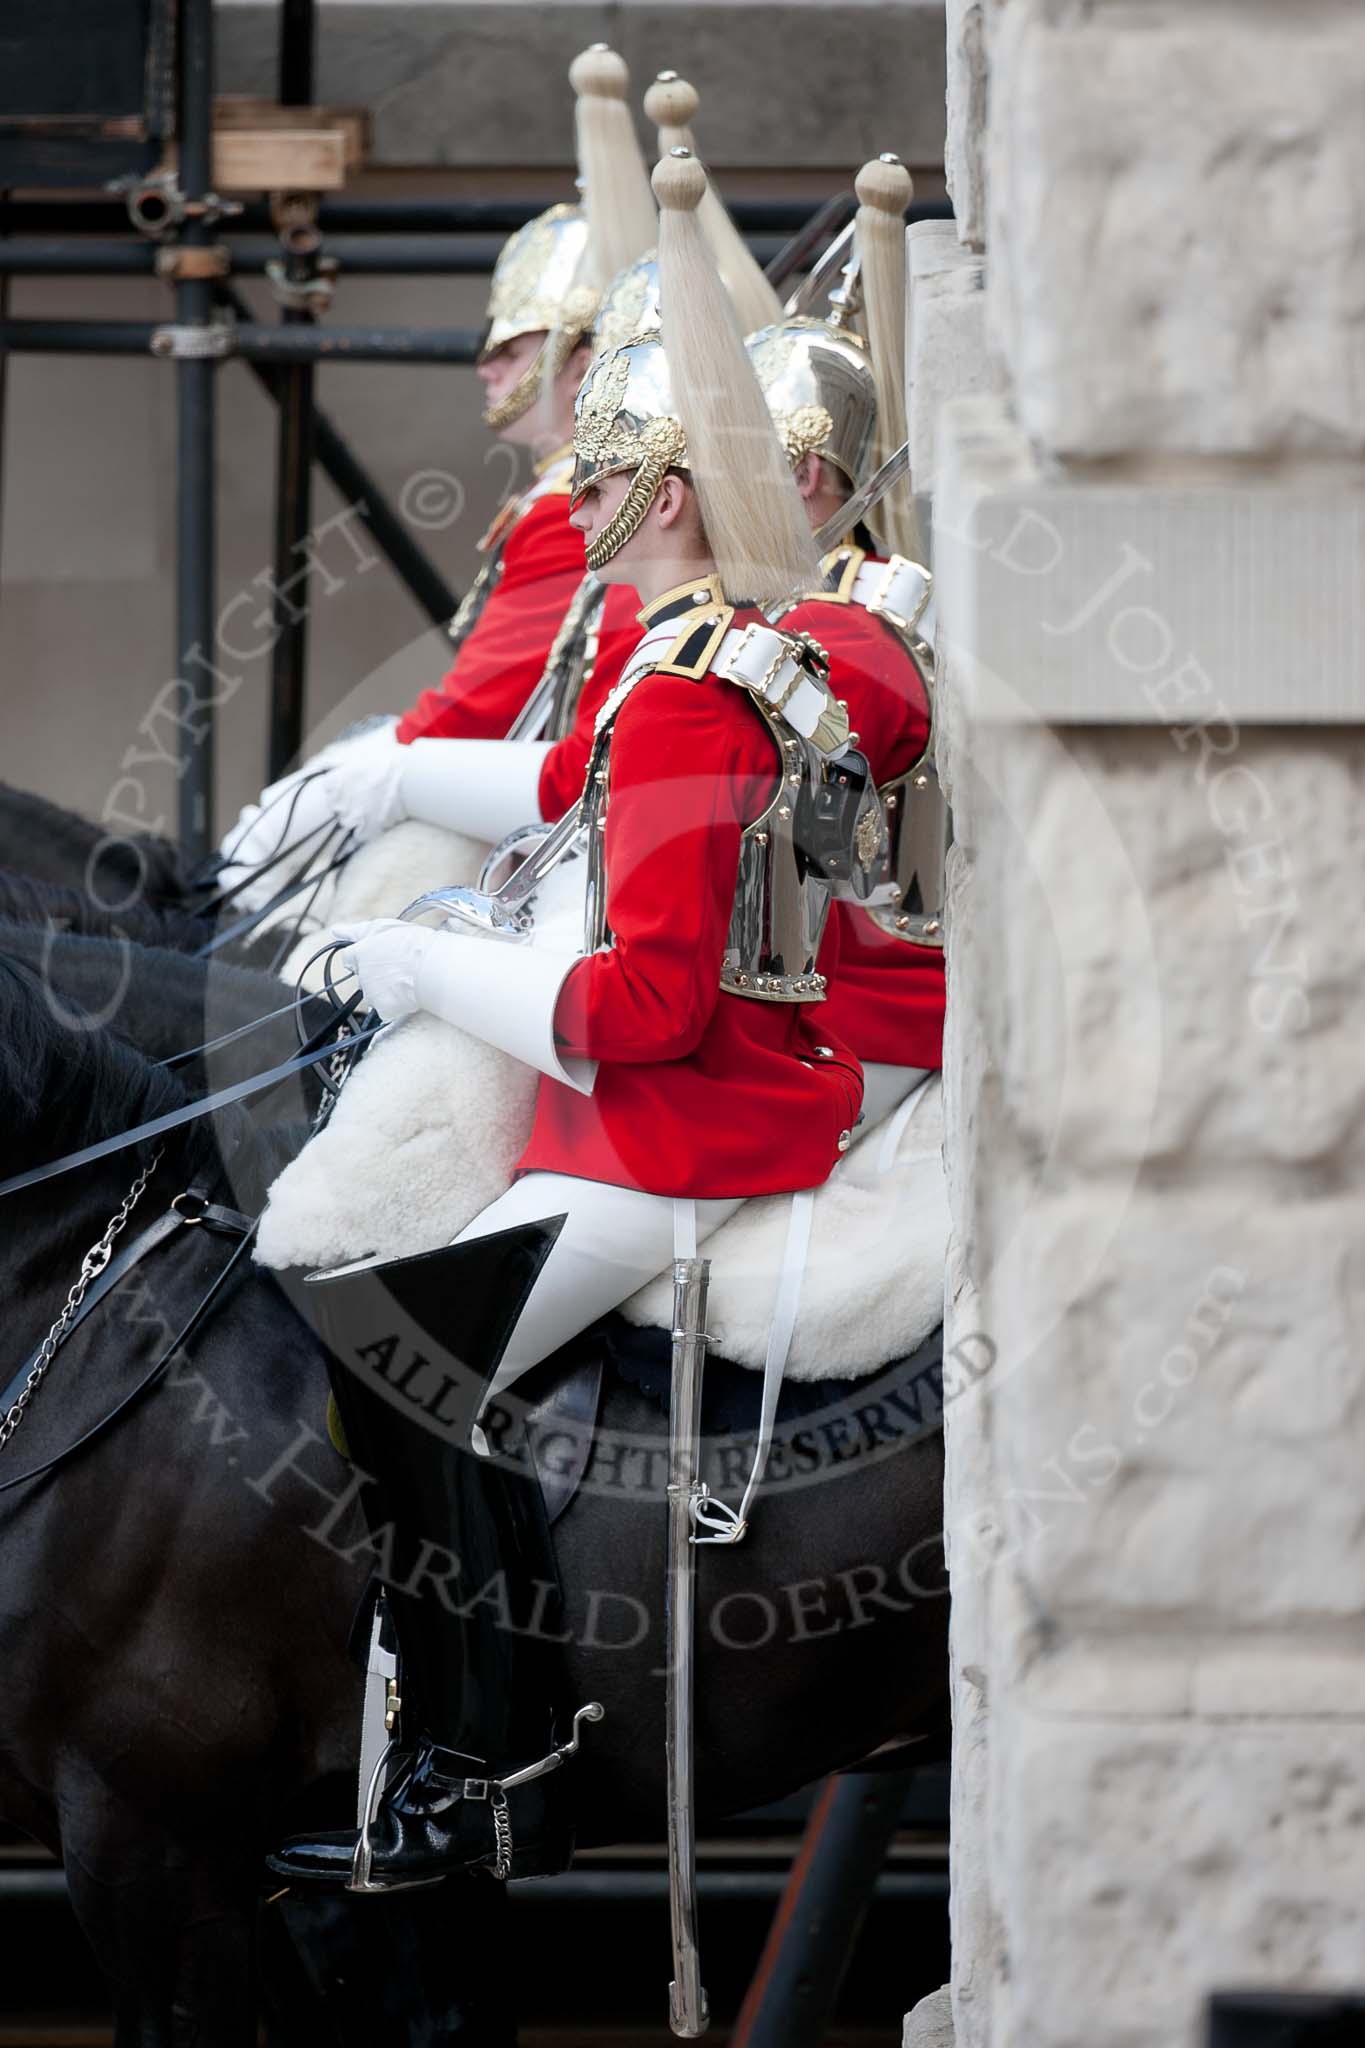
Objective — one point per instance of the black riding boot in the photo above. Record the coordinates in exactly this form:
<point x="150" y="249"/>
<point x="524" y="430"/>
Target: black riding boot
<point x="464" y="1549"/>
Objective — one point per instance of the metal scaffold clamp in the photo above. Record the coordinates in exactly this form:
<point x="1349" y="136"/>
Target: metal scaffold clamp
<point x="157" y="206"/>
<point x="302" y="295"/>
<point x="209" y="340"/>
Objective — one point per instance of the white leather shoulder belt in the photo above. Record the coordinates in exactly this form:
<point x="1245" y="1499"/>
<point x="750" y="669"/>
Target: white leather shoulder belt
<point x="897" y="590"/>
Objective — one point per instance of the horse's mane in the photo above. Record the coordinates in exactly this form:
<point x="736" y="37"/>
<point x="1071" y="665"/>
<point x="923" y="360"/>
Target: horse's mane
<point x="62" y="1086"/>
<point x="52" y="905"/>
<point x="66" y="1081"/>
<point x="91" y="967"/>
<point x="141" y="865"/>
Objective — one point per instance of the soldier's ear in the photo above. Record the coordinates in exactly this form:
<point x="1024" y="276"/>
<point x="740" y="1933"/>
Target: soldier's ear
<point x="580" y="362"/>
<point x="808" y="475"/>
<point x="671" y="499"/>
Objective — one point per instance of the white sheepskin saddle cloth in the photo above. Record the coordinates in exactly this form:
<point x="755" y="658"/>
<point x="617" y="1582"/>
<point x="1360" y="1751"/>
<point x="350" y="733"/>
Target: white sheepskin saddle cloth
<point x="428" y="1130"/>
<point x="873" y="1283"/>
<point x="424" y="1135"/>
<point x="429" y="1127"/>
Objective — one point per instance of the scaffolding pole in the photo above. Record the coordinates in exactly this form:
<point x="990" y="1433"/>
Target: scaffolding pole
<point x="195" y="380"/>
<point x="294" y="439"/>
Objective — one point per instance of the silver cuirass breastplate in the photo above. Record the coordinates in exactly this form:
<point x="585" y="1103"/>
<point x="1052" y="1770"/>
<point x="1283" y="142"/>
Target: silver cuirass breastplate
<point x="907" y="899"/>
<point x="784" y="887"/>
<point x="908" y="902"/>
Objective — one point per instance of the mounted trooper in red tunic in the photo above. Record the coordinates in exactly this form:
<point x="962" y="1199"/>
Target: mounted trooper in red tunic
<point x="546" y="289"/>
<point x="684" y="1060"/>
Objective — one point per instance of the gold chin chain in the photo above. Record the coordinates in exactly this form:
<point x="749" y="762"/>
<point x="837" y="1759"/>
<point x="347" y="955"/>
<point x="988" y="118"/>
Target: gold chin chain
<point x="527" y="389"/>
<point x="625" y="520"/>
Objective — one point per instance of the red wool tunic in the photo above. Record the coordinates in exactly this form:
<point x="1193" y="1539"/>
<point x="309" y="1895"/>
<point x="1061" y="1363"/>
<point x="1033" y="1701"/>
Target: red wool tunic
<point x="886" y="998"/>
<point x="697" y="1092"/>
<point x="504" y="655"/>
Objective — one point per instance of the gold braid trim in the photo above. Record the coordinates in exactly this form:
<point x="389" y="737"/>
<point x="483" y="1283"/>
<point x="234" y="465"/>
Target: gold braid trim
<point x="527" y="389"/>
<point x="625" y="520"/>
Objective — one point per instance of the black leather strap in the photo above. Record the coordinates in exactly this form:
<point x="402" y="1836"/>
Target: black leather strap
<point x="123" y="1262"/>
<point x="242" y="925"/>
<point x="187" y="1209"/>
<point x="188" y="1329"/>
<point x="205" y="1105"/>
<point x="194" y="1052"/>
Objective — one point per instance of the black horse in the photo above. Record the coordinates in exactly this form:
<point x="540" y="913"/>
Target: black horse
<point x="112" y="868"/>
<point x="169" y="1005"/>
<point x="178" y="1596"/>
<point x="59" y="872"/>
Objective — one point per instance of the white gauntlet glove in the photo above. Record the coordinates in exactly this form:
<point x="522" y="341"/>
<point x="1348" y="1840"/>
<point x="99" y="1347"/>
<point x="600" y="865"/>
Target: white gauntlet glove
<point x="364" y="789"/>
<point x="385" y="955"/>
<point x="496" y="989"/>
<point x="295" y="810"/>
<point x="290" y="811"/>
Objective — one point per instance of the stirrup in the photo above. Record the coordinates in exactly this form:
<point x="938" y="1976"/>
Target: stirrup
<point x="363" y="1857"/>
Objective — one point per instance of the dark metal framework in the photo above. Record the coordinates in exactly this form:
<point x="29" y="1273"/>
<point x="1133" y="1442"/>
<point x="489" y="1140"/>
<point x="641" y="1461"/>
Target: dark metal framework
<point x="113" y="139"/>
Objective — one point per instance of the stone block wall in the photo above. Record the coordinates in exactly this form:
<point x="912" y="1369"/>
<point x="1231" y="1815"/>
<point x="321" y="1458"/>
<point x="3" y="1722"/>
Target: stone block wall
<point x="480" y="83"/>
<point x="1151" y="704"/>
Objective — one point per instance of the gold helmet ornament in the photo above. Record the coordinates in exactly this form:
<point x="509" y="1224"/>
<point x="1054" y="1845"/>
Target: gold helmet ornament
<point x="817" y="378"/>
<point x="549" y="277"/>
<point x="537" y="279"/>
<point x="688" y="400"/>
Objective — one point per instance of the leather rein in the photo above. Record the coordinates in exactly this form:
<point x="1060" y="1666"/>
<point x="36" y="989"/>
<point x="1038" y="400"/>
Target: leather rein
<point x="102" y="1269"/>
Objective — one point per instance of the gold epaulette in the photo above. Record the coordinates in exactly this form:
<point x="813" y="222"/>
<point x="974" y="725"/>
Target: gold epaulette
<point x="840" y="567"/>
<point x="697" y="645"/>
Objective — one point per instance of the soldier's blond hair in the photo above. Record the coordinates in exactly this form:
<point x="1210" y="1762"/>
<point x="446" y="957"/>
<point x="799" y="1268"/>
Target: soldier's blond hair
<point x="884" y="189"/>
<point x="671" y="103"/>
<point x="755" y="524"/>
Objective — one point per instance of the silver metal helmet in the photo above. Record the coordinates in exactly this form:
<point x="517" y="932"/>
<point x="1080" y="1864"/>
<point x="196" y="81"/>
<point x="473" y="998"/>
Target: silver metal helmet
<point x="630" y="305"/>
<point x="818" y="381"/>
<point x="538" y="280"/>
<point x="625" y="423"/>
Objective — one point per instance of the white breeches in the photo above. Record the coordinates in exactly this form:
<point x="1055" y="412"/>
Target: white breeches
<point x="884" y="1089"/>
<point x="612" y="1240"/>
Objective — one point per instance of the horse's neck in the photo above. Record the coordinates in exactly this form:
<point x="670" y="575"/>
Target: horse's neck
<point x="48" y="1232"/>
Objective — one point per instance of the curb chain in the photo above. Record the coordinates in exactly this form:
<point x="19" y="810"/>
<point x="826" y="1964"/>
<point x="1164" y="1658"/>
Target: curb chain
<point x="92" y="1265"/>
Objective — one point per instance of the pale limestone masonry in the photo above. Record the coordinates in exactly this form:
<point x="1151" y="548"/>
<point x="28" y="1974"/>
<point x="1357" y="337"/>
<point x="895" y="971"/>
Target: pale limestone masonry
<point x="480" y="83"/>
<point x="1176" y="233"/>
<point x="930" y="2025"/>
<point x="1150" y="549"/>
<point x="969" y="25"/>
<point x="947" y="354"/>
